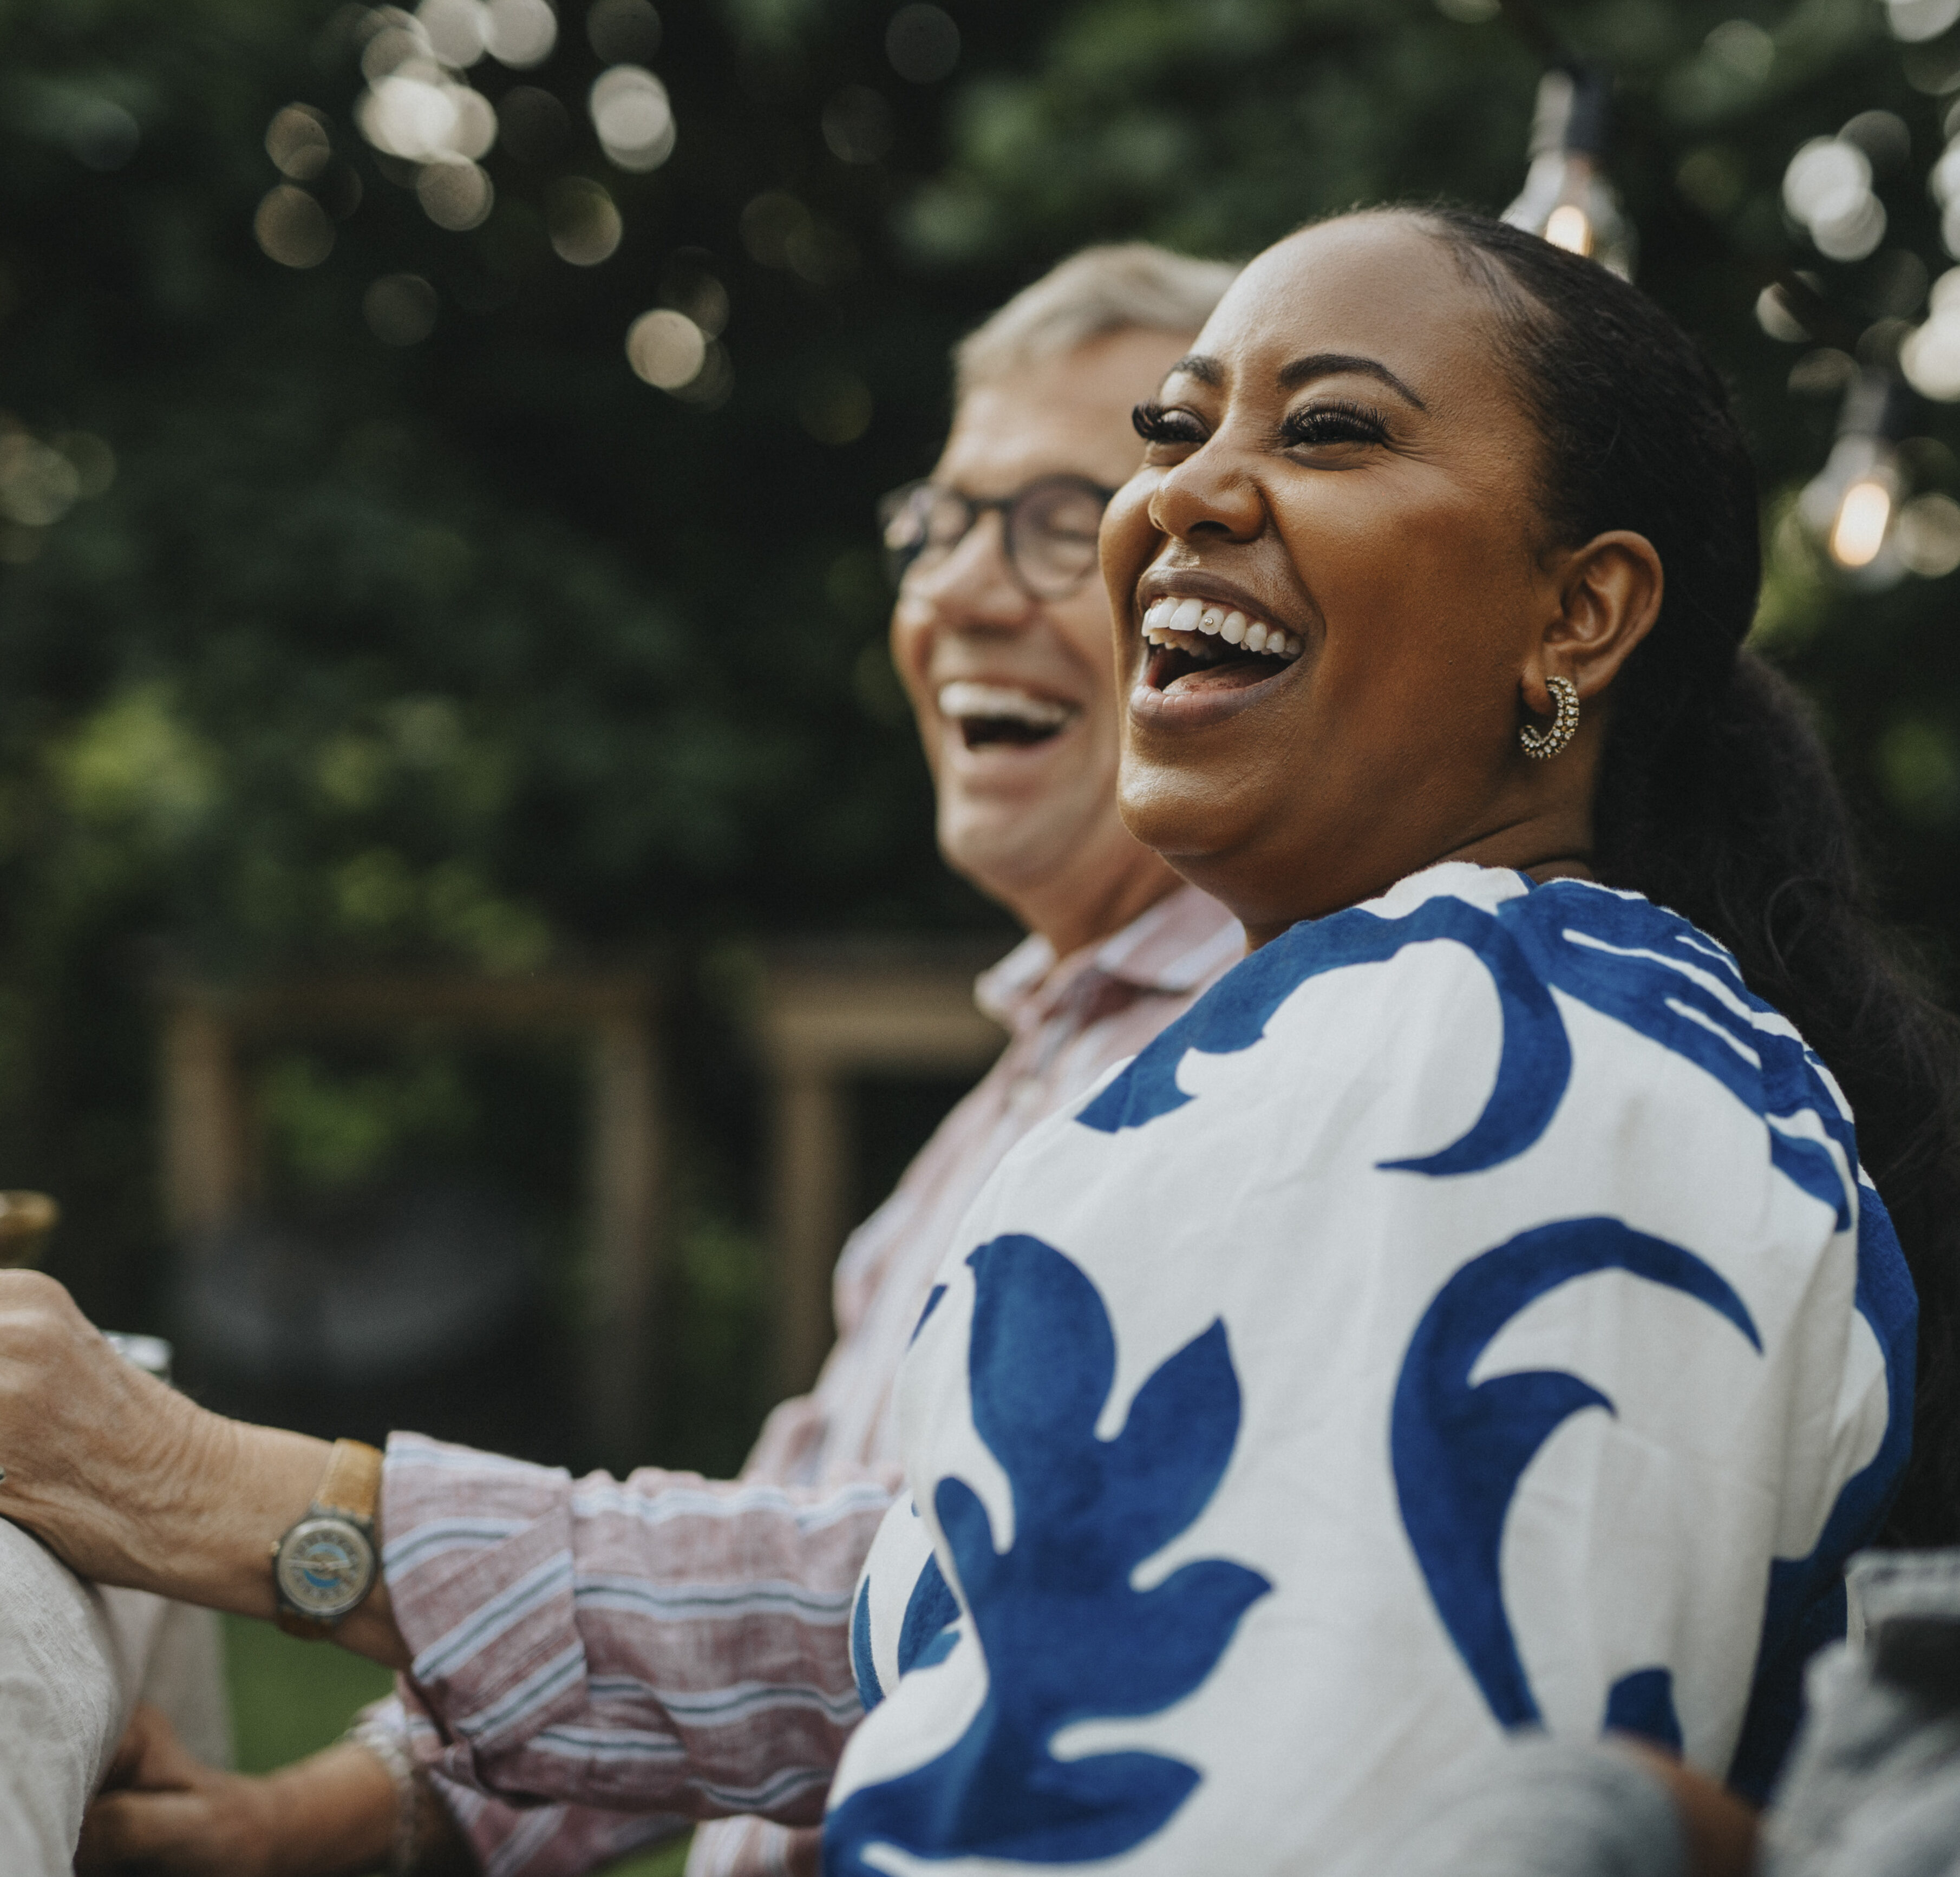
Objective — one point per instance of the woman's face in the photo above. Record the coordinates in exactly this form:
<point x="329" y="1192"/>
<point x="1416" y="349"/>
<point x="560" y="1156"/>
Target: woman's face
<point x="1342" y="459"/>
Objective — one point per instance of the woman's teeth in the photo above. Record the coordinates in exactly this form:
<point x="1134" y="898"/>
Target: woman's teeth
<point x="1170" y="618"/>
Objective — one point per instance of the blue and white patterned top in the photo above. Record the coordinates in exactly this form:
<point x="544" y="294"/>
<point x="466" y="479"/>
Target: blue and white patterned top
<point x="1470" y="1315"/>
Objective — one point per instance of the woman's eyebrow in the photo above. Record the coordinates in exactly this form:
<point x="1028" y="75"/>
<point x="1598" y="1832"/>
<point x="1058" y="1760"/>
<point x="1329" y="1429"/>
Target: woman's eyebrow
<point x="1199" y="365"/>
<point x="1329" y="365"/>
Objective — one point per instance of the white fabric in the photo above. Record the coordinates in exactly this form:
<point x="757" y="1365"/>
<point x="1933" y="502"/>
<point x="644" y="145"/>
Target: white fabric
<point x="74" y="1660"/>
<point x="1469" y="1316"/>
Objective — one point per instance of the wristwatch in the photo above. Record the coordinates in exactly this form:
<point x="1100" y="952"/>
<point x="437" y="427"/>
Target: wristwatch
<point x="325" y="1564"/>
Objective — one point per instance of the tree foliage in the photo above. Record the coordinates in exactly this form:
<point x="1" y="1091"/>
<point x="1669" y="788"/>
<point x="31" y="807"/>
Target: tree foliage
<point x="479" y="649"/>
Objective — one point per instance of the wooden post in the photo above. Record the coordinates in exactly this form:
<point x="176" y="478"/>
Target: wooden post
<point x="810" y="1162"/>
<point x="625" y="1179"/>
<point x="205" y="1148"/>
<point x="823" y="1019"/>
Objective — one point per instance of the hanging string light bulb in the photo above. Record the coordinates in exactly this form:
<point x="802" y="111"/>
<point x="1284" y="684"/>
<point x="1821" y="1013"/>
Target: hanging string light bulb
<point x="1852" y="503"/>
<point x="1568" y="197"/>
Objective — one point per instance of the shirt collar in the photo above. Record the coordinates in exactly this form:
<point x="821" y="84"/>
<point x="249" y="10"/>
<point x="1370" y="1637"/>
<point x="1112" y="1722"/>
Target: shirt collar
<point x="1173" y="947"/>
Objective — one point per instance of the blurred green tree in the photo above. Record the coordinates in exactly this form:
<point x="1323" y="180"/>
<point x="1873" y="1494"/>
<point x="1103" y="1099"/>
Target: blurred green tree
<point x="374" y="609"/>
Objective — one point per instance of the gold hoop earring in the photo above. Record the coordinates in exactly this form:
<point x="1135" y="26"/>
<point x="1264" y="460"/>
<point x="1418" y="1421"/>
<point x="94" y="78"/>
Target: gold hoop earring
<point x="1544" y="744"/>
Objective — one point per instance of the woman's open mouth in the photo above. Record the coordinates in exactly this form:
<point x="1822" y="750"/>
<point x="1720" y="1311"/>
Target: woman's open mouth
<point x="1195" y="646"/>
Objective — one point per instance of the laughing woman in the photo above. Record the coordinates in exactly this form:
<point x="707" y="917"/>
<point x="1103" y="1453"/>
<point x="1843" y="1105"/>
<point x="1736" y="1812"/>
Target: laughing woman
<point x="1472" y="1315"/>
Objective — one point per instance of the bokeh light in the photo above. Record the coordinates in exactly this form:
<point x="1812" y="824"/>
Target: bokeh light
<point x="299" y="143"/>
<point x="857" y="124"/>
<point x="633" y="118"/>
<point x="835" y="407"/>
<point x="400" y="309"/>
<point x="292" y="228"/>
<point x="922" y="42"/>
<point x="1927" y="536"/>
<point x="1916" y="21"/>
<point x="1774" y="315"/>
<point x="688" y="281"/>
<point x="1863" y="516"/>
<point x="623" y="32"/>
<point x="666" y="348"/>
<point x="519" y="33"/>
<point x="38" y="485"/>
<point x="458" y="30"/>
<point x="767" y="222"/>
<point x="582" y="221"/>
<point x="455" y="193"/>
<point x="1828" y="187"/>
<point x="533" y="126"/>
<point x="40" y="482"/>
<point x="1930" y="356"/>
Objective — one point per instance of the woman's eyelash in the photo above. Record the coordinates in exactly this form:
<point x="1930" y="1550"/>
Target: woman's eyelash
<point x="1155" y="425"/>
<point x="1336" y="422"/>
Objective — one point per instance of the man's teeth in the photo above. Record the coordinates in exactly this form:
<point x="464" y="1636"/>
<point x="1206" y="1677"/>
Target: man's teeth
<point x="1170" y="616"/>
<point x="963" y="698"/>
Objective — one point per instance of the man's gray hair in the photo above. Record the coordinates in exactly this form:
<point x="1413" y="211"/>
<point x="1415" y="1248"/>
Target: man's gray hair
<point x="1119" y="288"/>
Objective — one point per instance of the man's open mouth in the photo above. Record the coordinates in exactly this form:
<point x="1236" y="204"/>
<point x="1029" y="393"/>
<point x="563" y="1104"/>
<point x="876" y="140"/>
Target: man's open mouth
<point x="1195" y="646"/>
<point x="989" y="714"/>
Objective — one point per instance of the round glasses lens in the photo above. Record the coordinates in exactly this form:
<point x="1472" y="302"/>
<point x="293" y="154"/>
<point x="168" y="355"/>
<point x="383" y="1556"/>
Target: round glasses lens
<point x="921" y="523"/>
<point x="1051" y="534"/>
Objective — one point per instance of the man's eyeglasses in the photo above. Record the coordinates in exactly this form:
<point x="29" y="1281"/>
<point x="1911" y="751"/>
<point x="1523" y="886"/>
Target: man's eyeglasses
<point x="1049" y="528"/>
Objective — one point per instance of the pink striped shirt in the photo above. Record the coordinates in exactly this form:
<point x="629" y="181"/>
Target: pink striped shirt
<point x="639" y="1653"/>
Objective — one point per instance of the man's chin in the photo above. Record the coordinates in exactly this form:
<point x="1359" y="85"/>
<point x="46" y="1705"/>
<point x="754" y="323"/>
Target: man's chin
<point x="1006" y="847"/>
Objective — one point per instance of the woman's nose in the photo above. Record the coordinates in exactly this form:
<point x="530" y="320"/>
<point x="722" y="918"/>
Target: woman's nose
<point x="1207" y="494"/>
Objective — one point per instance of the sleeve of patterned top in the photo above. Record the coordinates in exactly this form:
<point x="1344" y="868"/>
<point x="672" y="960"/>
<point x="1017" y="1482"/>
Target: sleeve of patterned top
<point x="657" y="1643"/>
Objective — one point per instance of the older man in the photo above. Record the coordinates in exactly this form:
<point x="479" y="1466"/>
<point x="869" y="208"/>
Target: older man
<point x="662" y="1640"/>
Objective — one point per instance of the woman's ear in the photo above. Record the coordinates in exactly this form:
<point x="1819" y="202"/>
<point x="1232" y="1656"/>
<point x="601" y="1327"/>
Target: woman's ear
<point x="1610" y="596"/>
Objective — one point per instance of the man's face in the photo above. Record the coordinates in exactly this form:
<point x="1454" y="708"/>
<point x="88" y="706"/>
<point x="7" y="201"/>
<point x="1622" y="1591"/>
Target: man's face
<point x="1027" y="802"/>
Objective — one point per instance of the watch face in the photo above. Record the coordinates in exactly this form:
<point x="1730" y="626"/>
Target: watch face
<point x="324" y="1567"/>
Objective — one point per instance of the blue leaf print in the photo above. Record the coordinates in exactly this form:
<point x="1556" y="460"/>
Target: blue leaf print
<point x="1065" y="1635"/>
<point x="1626" y="958"/>
<point x="1458" y="1451"/>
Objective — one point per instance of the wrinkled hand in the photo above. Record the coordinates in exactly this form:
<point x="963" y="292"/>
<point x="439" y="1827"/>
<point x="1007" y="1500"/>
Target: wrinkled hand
<point x="131" y="1483"/>
<point x="93" y="1448"/>
<point x="161" y="1811"/>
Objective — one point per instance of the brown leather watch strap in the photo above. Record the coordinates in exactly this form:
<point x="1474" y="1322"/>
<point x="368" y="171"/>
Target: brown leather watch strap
<point x="352" y="1485"/>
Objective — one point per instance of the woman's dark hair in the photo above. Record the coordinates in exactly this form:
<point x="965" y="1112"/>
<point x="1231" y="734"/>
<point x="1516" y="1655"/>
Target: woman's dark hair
<point x="1715" y="798"/>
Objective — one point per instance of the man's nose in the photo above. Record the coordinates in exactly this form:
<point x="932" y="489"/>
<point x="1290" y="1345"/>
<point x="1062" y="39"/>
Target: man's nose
<point x="974" y="587"/>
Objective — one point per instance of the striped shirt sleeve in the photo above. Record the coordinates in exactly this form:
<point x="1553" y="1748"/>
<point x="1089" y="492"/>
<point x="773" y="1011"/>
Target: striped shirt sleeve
<point x="657" y="1644"/>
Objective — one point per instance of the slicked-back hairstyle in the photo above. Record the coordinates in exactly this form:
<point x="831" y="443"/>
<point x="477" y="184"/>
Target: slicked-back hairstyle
<point x="1715" y="797"/>
<point x="1130" y="287"/>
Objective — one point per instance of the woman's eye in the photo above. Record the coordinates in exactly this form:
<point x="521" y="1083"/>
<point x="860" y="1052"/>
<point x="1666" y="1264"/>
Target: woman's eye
<point x="1156" y="424"/>
<point x="1335" y="423"/>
